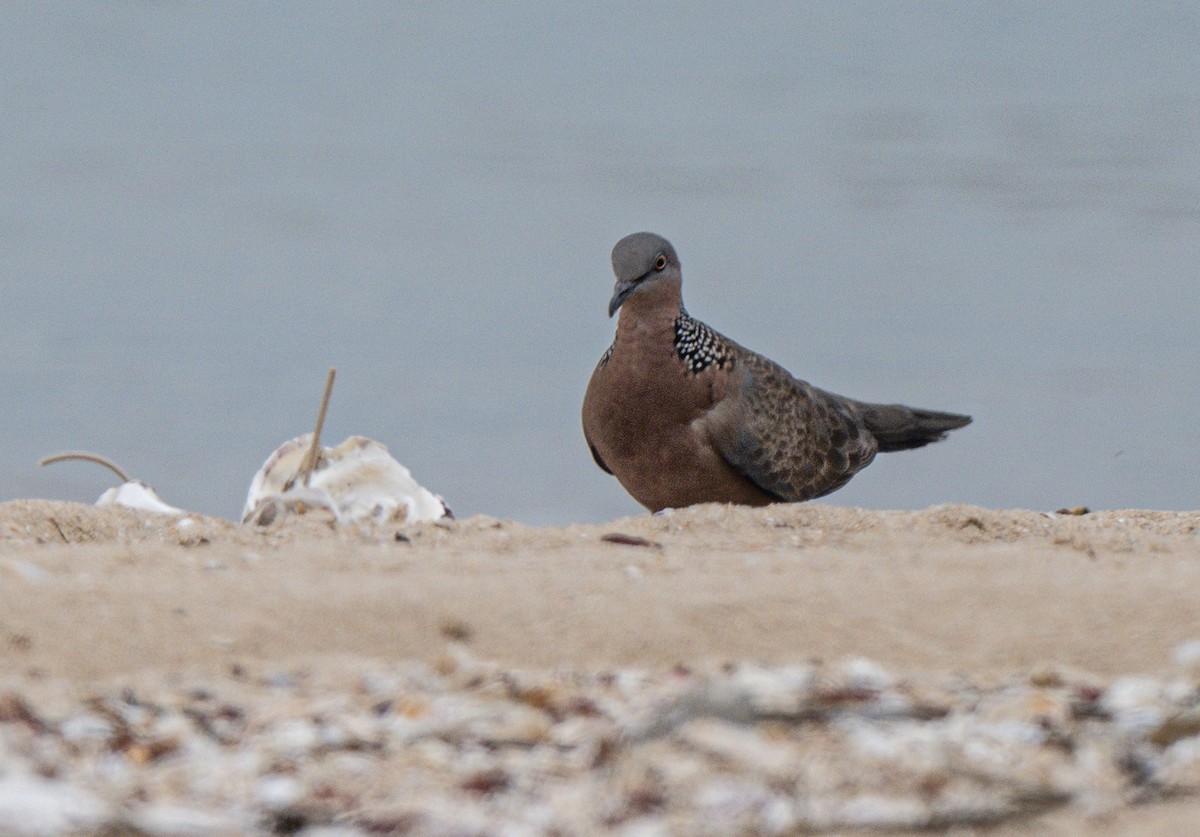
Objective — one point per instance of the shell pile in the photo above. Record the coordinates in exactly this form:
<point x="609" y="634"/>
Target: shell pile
<point x="466" y="747"/>
<point x="357" y="481"/>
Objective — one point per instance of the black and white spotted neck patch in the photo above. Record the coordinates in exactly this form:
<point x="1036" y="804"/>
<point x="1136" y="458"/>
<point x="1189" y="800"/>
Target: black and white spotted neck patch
<point x="698" y="346"/>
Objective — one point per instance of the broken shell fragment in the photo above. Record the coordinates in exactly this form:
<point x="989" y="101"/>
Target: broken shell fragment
<point x="357" y="481"/>
<point x="135" y="494"/>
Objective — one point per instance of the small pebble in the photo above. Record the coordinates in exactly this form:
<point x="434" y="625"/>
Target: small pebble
<point x="1186" y="655"/>
<point x="33" y="806"/>
<point x="277" y="792"/>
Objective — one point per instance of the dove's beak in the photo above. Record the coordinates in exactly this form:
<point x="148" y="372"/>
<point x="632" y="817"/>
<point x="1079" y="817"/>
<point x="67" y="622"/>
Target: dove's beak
<point x="621" y="291"/>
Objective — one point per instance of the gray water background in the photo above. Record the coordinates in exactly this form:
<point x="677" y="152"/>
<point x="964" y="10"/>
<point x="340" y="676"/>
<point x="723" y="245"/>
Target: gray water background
<point x="983" y="207"/>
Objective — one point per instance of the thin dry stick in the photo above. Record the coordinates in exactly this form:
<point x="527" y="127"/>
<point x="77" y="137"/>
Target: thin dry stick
<point x="61" y="533"/>
<point x="86" y="457"/>
<point x="314" y="451"/>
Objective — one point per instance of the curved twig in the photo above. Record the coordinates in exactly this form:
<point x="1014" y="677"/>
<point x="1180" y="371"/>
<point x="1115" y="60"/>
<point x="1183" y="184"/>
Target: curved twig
<point x="86" y="457"/>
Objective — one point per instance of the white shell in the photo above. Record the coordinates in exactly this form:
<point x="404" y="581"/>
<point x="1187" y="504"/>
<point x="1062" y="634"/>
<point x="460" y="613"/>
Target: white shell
<point x="358" y="481"/>
<point x="135" y="494"/>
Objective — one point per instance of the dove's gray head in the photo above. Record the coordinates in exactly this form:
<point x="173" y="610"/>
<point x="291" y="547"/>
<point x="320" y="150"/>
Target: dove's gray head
<point x="638" y="260"/>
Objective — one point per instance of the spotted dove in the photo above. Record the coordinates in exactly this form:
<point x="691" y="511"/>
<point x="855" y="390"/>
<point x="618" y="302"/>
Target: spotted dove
<point x="681" y="414"/>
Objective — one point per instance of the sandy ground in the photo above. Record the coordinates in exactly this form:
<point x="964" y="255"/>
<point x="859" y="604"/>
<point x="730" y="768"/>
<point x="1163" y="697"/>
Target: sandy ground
<point x="96" y="601"/>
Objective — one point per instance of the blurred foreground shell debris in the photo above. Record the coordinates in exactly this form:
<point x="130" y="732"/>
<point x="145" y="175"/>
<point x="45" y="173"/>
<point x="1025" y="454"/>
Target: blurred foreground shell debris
<point x="467" y="746"/>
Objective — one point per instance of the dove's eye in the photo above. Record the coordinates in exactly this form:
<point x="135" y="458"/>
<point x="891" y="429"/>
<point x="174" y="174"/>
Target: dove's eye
<point x="660" y="262"/>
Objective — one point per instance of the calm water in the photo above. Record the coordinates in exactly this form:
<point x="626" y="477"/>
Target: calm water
<point x="982" y="207"/>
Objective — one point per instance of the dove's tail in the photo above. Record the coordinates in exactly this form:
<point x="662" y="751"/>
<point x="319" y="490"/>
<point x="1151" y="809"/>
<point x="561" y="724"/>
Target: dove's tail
<point x="896" y="427"/>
